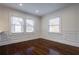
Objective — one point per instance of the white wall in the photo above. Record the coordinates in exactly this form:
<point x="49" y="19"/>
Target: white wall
<point x="77" y="22"/>
<point x="69" y="26"/>
<point x="7" y="37"/>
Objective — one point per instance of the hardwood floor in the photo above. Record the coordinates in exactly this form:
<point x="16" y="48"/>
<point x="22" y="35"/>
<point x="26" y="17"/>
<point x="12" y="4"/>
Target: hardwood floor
<point x="38" y="47"/>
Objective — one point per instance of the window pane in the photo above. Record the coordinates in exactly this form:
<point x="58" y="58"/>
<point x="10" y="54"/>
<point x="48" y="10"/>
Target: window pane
<point x="29" y="22"/>
<point x="54" y="21"/>
<point x="53" y="28"/>
<point x="17" y="20"/>
<point x="17" y="24"/>
<point x="18" y="29"/>
<point x="29" y="25"/>
<point x="29" y="29"/>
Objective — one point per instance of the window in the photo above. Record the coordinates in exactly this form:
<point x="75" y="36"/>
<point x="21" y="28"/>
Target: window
<point x="54" y="25"/>
<point x="16" y="24"/>
<point x="29" y="25"/>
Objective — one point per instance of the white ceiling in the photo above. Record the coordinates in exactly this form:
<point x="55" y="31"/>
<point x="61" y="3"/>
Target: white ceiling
<point x="44" y="8"/>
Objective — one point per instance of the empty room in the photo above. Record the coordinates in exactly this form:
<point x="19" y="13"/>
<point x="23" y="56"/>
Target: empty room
<point x="39" y="29"/>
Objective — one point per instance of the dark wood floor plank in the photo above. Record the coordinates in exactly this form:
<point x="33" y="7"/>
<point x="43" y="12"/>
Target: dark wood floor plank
<point x="39" y="46"/>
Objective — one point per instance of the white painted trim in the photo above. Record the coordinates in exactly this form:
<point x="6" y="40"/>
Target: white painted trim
<point x="67" y="42"/>
<point x="16" y="41"/>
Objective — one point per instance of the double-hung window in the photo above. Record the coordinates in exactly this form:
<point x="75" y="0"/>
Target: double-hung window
<point x="29" y="25"/>
<point x="54" y="25"/>
<point x="16" y="24"/>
